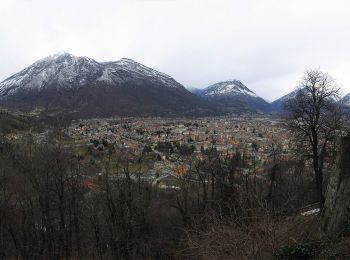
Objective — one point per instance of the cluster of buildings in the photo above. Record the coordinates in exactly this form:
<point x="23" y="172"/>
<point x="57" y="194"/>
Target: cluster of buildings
<point x="259" y="139"/>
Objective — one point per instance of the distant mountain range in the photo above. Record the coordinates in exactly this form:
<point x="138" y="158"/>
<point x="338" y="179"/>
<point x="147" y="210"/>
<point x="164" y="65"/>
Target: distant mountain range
<point x="85" y="88"/>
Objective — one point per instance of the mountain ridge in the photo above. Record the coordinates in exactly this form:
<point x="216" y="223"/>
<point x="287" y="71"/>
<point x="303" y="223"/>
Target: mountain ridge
<point x="88" y="88"/>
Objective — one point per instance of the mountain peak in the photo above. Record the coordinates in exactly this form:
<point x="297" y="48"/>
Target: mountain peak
<point x="58" y="56"/>
<point x="228" y="88"/>
<point x="65" y="56"/>
<point x="277" y="105"/>
<point x="61" y="69"/>
<point x="233" y="81"/>
<point x="62" y="54"/>
<point x="234" y="96"/>
<point x="143" y="71"/>
<point x="129" y="60"/>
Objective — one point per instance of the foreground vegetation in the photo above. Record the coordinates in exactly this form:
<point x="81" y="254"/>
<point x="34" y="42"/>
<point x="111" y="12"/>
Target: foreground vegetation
<point x="50" y="208"/>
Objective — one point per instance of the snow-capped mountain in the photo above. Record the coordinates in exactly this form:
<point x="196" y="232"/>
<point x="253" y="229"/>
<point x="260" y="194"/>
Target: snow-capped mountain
<point x="277" y="105"/>
<point x="228" y="88"/>
<point x="346" y="100"/>
<point x="90" y="88"/>
<point x="112" y="73"/>
<point x="70" y="71"/>
<point x="234" y="96"/>
<point x="64" y="69"/>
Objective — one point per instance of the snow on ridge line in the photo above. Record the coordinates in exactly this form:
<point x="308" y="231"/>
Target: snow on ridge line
<point x="135" y="64"/>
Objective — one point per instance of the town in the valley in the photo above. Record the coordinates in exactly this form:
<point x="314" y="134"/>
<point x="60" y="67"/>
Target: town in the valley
<point x="168" y="146"/>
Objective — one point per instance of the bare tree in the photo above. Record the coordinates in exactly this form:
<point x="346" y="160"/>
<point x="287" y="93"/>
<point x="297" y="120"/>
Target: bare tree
<point x="316" y="117"/>
<point x="275" y="152"/>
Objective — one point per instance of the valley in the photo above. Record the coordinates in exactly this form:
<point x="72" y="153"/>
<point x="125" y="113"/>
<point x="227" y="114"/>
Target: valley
<point x="118" y="160"/>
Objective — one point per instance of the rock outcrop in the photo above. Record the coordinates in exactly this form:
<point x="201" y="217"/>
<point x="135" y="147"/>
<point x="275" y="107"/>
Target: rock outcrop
<point x="336" y="219"/>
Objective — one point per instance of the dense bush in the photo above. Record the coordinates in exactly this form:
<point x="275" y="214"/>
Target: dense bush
<point x="297" y="251"/>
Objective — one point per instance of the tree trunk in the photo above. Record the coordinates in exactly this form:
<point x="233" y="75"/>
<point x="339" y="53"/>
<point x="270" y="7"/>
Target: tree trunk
<point x="318" y="173"/>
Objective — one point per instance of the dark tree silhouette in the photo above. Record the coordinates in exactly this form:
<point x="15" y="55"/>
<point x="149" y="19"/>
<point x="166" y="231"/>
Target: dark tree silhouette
<point x="315" y="114"/>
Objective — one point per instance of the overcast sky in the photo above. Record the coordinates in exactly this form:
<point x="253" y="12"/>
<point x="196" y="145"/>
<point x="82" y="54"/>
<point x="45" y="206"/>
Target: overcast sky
<point x="266" y="44"/>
